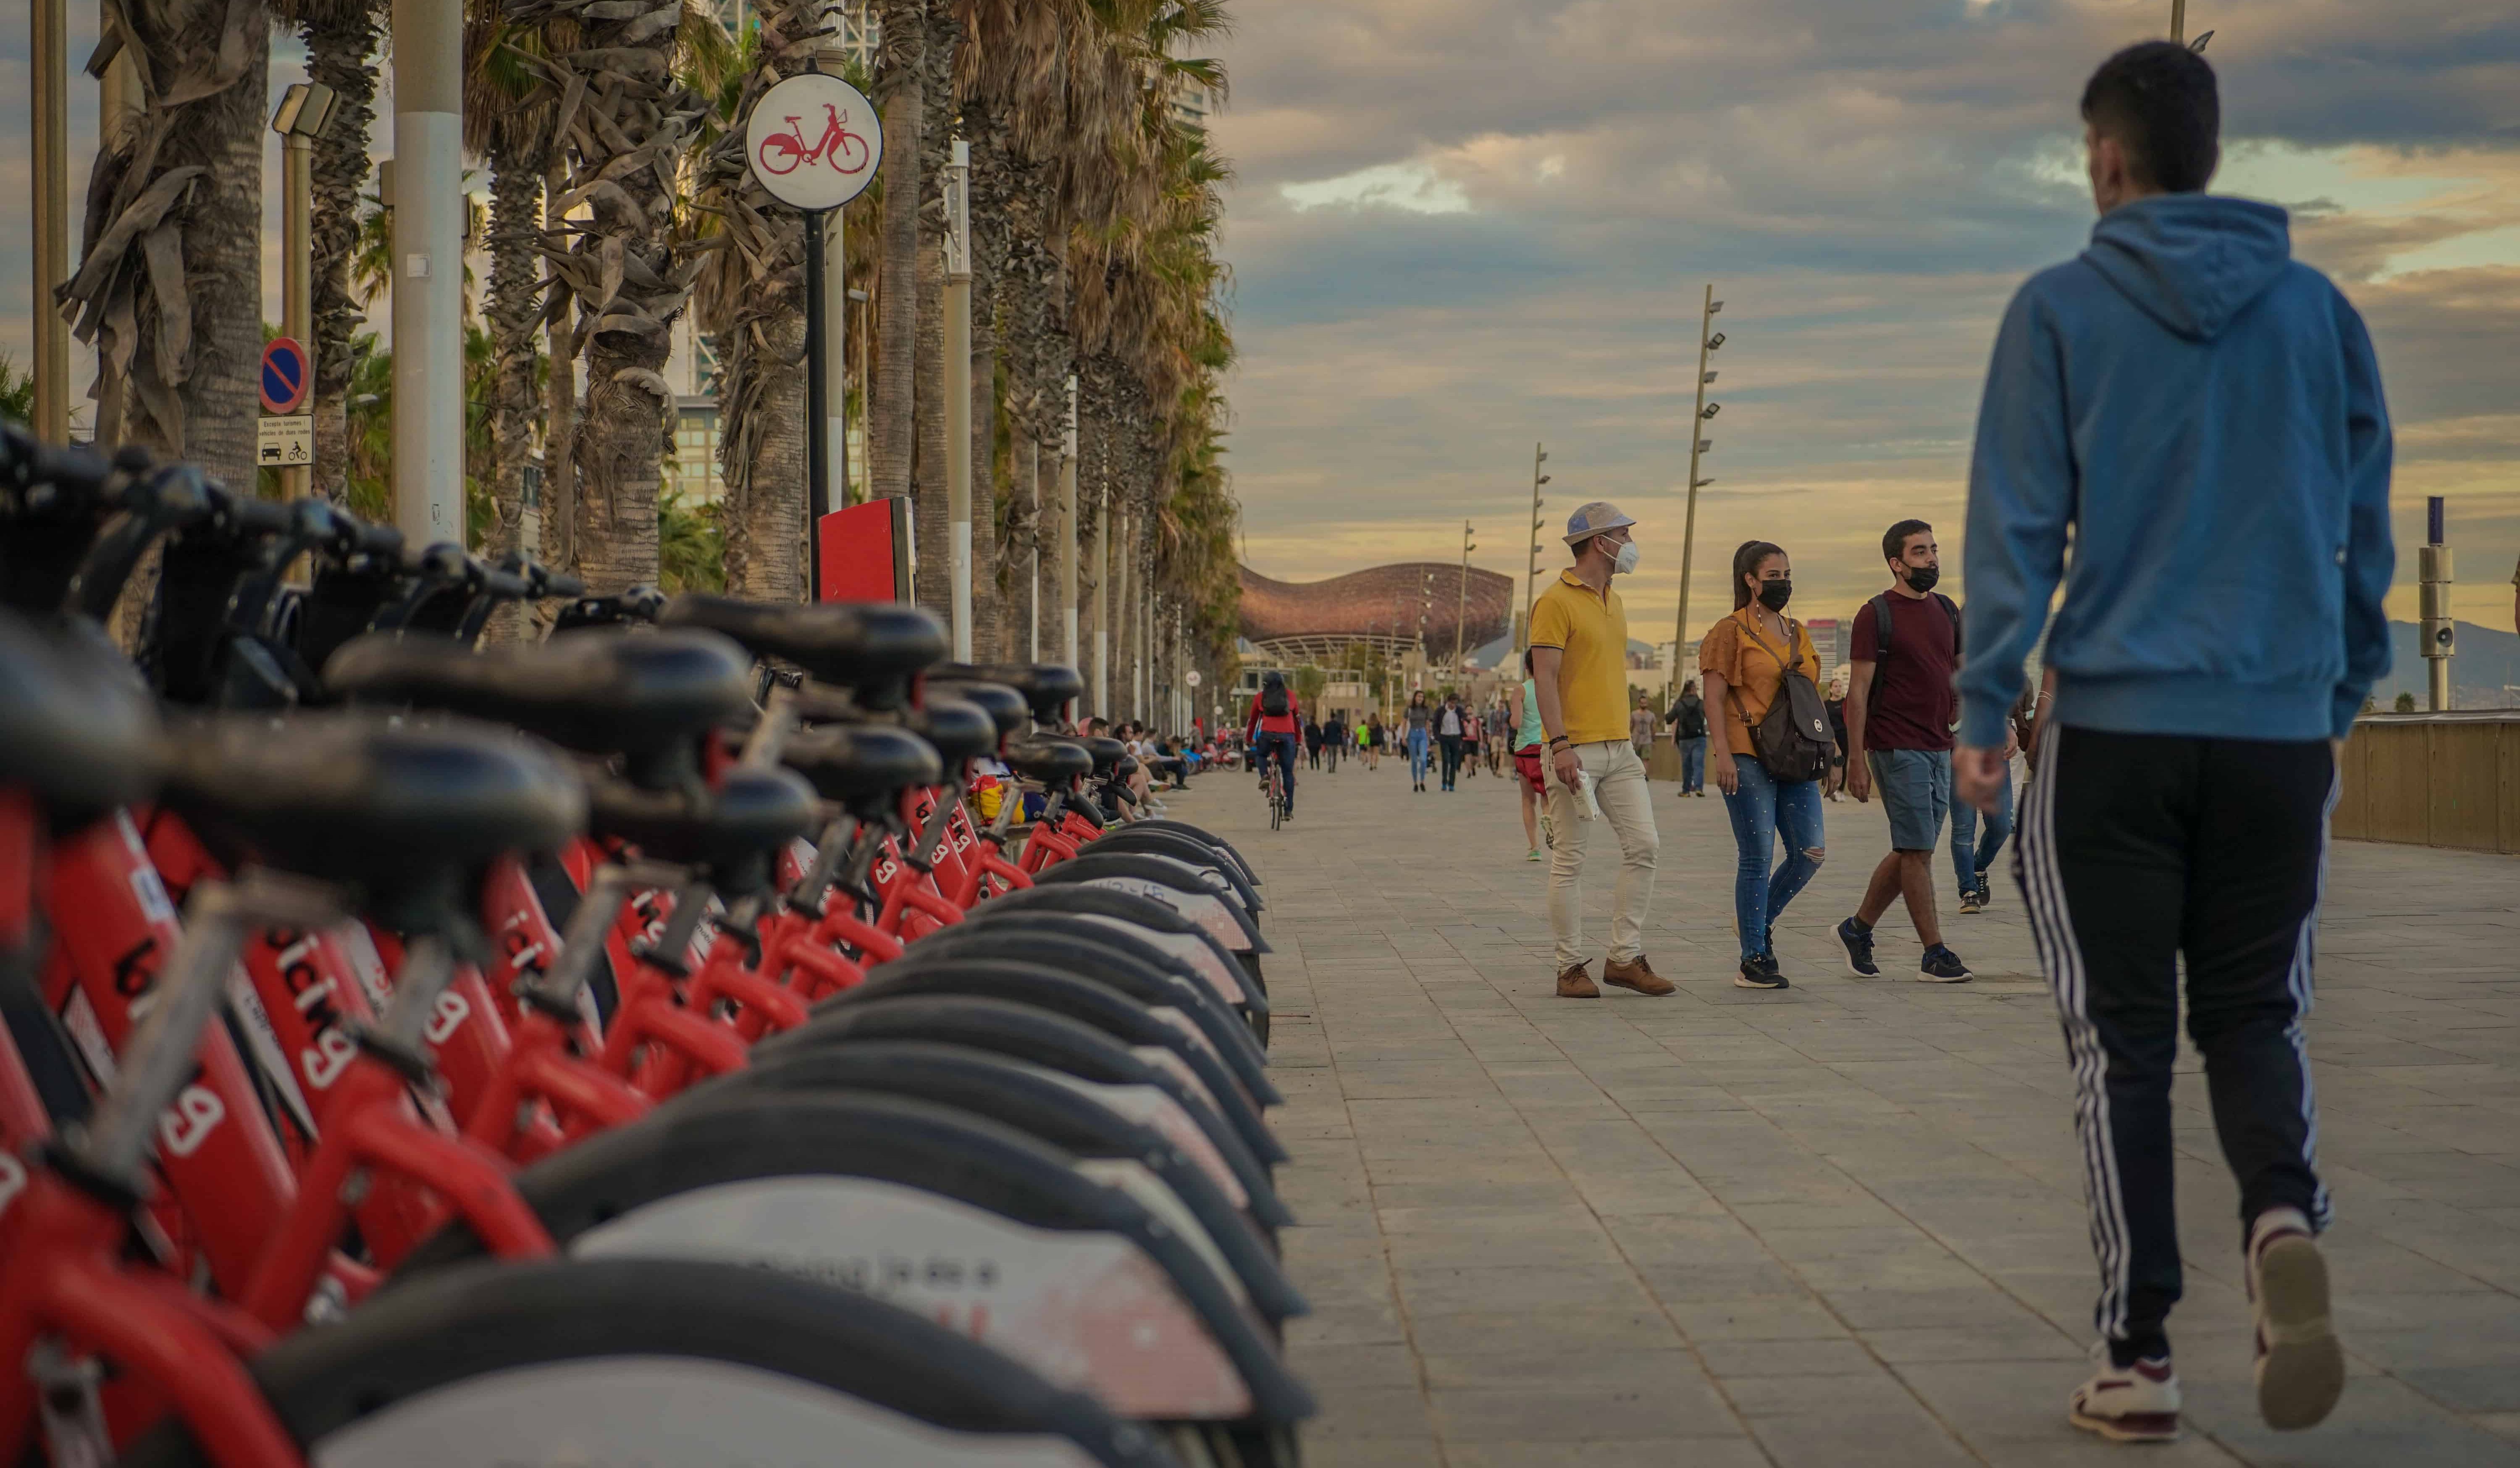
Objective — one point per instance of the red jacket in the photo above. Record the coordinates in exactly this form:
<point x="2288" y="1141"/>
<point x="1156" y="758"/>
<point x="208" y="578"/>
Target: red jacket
<point x="1291" y="722"/>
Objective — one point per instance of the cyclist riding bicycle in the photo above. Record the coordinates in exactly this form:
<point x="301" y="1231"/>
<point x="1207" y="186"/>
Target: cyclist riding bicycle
<point x="1275" y="728"/>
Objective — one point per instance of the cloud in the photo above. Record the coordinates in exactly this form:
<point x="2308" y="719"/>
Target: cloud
<point x="1411" y="188"/>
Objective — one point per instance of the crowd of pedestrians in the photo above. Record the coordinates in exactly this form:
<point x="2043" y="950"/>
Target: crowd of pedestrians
<point x="2182" y="432"/>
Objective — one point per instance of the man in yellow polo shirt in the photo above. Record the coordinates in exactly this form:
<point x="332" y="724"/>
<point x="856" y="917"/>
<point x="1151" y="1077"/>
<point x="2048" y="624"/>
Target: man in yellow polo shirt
<point x="1579" y="669"/>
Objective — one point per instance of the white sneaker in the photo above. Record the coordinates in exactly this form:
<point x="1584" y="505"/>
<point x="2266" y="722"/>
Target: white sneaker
<point x="2137" y="1403"/>
<point x="2300" y="1366"/>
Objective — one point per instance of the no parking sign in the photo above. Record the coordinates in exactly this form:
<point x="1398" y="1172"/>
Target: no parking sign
<point x="283" y="375"/>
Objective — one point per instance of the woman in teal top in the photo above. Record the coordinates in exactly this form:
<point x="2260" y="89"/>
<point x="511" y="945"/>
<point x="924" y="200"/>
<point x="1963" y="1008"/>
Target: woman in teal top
<point x="1527" y="739"/>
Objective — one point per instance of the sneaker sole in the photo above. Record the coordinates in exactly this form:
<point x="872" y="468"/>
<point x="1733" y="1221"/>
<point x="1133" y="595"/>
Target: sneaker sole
<point x="2133" y="1427"/>
<point x="1743" y="981"/>
<point x="1961" y="977"/>
<point x="2303" y="1371"/>
<point x="1652" y="994"/>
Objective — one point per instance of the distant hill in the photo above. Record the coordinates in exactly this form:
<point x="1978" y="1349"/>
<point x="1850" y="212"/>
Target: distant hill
<point x="2488" y="659"/>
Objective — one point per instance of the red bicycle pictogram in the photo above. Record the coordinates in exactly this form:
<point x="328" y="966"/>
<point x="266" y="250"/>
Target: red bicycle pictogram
<point x="840" y="148"/>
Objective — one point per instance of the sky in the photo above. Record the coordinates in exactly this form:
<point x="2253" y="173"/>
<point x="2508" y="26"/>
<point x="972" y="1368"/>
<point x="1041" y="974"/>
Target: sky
<point x="1461" y="227"/>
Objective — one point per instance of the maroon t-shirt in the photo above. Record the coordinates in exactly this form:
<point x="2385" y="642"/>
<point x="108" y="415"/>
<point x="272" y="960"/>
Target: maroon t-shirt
<point x="1912" y="703"/>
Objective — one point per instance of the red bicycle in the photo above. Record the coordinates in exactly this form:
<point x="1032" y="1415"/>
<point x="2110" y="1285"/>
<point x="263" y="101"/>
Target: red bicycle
<point x="838" y="149"/>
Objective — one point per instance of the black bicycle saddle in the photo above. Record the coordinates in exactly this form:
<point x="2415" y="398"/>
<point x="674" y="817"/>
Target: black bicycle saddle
<point x="77" y="726"/>
<point x="1051" y="761"/>
<point x="961" y="731"/>
<point x="1046" y="686"/>
<point x="1003" y="704"/>
<point x="597" y="690"/>
<point x="875" y="648"/>
<point x="862" y="767"/>
<point x="748" y="818"/>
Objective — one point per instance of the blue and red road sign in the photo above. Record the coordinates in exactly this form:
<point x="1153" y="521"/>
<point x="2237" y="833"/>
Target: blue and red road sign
<point x="283" y="375"/>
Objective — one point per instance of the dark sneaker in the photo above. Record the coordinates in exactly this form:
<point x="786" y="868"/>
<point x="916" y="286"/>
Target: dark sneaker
<point x="1943" y="966"/>
<point x="1858" y="950"/>
<point x="1759" y="971"/>
<point x="1985" y="893"/>
<point x="1968" y="901"/>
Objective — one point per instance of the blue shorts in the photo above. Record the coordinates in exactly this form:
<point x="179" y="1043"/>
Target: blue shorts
<point x="1915" y="788"/>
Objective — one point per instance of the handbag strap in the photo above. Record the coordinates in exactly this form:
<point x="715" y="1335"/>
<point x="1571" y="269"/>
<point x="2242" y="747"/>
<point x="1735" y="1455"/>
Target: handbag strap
<point x="1794" y="640"/>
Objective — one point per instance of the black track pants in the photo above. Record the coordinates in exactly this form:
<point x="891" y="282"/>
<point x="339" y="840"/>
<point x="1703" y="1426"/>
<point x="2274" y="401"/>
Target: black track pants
<point x="2134" y="849"/>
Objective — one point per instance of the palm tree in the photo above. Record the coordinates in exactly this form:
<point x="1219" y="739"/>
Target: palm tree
<point x="175" y="199"/>
<point x="752" y="302"/>
<point x="340" y="37"/>
<point x="508" y="113"/>
<point x="623" y="119"/>
<point x="900" y="80"/>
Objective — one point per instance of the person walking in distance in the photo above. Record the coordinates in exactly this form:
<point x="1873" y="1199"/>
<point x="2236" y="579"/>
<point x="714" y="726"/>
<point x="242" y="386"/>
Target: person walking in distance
<point x="1312" y="743"/>
<point x="1899" y="707"/>
<point x="1746" y="659"/>
<point x="1529" y="745"/>
<point x="1275" y="731"/>
<point x="1471" y="734"/>
<point x="1579" y="667"/>
<point x="1687" y="720"/>
<point x="1450" y="725"/>
<point x="1372" y="740"/>
<point x="1418" y="715"/>
<point x="1641" y="728"/>
<point x="2201" y="417"/>
<point x="1973" y="851"/>
<point x="1835" y="703"/>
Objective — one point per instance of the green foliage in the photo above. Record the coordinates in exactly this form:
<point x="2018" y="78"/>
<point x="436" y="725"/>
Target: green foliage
<point x="371" y="428"/>
<point x="17" y="391"/>
<point x="1308" y="683"/>
<point x="691" y="546"/>
<point x="2405" y="703"/>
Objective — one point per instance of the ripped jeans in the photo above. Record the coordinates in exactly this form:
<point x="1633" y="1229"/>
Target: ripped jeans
<point x="1762" y="809"/>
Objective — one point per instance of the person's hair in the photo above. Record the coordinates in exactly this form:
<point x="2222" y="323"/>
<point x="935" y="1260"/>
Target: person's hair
<point x="1688" y="684"/>
<point x="2158" y="99"/>
<point x="1894" y="541"/>
<point x="1272" y="676"/>
<point x="1746" y="563"/>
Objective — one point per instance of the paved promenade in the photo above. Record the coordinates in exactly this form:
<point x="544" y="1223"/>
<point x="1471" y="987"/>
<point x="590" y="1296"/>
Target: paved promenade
<point x="1840" y="1225"/>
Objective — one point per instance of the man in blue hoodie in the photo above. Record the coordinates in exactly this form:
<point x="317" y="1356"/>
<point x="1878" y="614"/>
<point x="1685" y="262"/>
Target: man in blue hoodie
<point x="2199" y="417"/>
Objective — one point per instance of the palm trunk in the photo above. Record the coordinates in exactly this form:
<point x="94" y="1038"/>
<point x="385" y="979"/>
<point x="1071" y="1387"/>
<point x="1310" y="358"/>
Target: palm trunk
<point x="516" y="190"/>
<point x="899" y="77"/>
<point x="765" y="520"/>
<point x="340" y="46"/>
<point x="936" y="577"/>
<point x="985" y="592"/>
<point x="1019" y="568"/>
<point x="559" y="434"/>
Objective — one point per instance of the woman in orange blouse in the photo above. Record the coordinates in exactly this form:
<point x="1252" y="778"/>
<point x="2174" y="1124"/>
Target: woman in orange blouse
<point x="1743" y="661"/>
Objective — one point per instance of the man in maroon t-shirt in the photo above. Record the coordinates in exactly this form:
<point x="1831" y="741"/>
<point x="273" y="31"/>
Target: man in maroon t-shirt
<point x="1900" y="708"/>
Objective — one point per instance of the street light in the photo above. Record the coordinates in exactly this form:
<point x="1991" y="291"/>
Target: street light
<point x="1531" y="570"/>
<point x="1462" y="603"/>
<point x="1708" y="342"/>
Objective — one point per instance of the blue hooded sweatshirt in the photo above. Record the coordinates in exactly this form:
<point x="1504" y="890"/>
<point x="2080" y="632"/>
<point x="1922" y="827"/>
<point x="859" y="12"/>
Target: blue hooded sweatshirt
<point x="2199" y="417"/>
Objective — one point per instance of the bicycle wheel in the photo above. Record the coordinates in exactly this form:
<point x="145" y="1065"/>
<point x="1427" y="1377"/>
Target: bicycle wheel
<point x="658" y="1361"/>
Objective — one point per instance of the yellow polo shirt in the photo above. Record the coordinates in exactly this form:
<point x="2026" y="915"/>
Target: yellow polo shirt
<point x="1591" y="628"/>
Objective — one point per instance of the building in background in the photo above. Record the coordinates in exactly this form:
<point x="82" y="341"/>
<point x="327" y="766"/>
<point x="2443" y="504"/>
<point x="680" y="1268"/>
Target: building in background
<point x="1828" y="637"/>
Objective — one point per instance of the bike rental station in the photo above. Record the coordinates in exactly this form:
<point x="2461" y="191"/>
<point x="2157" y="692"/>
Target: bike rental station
<point x="623" y="1048"/>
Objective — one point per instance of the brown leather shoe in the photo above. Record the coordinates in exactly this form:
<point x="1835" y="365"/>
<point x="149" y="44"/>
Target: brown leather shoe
<point x="1576" y="984"/>
<point x="1638" y="976"/>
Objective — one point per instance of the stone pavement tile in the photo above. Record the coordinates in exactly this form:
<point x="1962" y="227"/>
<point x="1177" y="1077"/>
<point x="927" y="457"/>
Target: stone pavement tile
<point x="1533" y="1288"/>
<point x="2081" y="1449"/>
<point x="1781" y="1318"/>
<point x="1830" y="1422"/>
<point x="2377" y="1424"/>
<point x="1354" y="1411"/>
<point x="1590" y="1370"/>
<point x="1367" y="1365"/>
<point x="1525" y="1335"/>
<point x="1327" y="1447"/>
<point x="1658" y="1452"/>
<point x="1678" y="1407"/>
<point x="1728" y="1359"/>
<point x="1675" y="1283"/>
<point x="2030" y="1340"/>
<point x="1344" y="1324"/>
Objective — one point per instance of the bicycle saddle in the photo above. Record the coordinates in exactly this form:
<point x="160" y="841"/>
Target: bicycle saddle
<point x="749" y="816"/>
<point x="873" y="647"/>
<point x="1046" y="686"/>
<point x="350" y="798"/>
<point x="1106" y="753"/>
<point x="600" y="691"/>
<point x="862" y="767"/>
<point x="961" y="731"/>
<point x="1003" y="704"/>
<point x="1051" y="761"/>
<point x="77" y="727"/>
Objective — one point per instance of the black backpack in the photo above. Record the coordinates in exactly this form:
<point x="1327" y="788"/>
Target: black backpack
<point x="1793" y="740"/>
<point x="1273" y="700"/>
<point x="1884" y="625"/>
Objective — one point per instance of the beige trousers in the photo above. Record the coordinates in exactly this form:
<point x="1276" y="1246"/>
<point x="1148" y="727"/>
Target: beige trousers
<point x="1627" y="808"/>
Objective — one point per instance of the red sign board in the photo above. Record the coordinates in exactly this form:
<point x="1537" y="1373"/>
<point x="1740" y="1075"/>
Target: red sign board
<point x="864" y="551"/>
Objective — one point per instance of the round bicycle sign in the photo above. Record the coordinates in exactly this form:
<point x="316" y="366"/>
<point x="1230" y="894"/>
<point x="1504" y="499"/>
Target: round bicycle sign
<point x="814" y="141"/>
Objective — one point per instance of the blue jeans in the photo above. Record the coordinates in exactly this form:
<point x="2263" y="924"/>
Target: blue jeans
<point x="1692" y="764"/>
<point x="1281" y="746"/>
<point x="1762" y="809"/>
<point x="1972" y="854"/>
<point x="1417" y="756"/>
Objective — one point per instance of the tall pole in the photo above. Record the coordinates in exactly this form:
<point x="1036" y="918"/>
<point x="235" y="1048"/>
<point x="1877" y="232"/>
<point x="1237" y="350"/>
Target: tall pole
<point x="2440" y="630"/>
<point x="297" y="272"/>
<point x="831" y="304"/>
<point x="49" y="101"/>
<point x="1103" y="539"/>
<point x="2179" y="20"/>
<point x="427" y="268"/>
<point x="1688" y="531"/>
<point x="818" y="434"/>
<point x="1461" y="598"/>
<point x="1531" y="572"/>
<point x="958" y="388"/>
<point x="1067" y="530"/>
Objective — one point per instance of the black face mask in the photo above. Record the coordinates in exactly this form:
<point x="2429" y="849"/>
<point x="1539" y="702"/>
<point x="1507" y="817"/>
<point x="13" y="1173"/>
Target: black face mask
<point x="1921" y="579"/>
<point x="1774" y="594"/>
